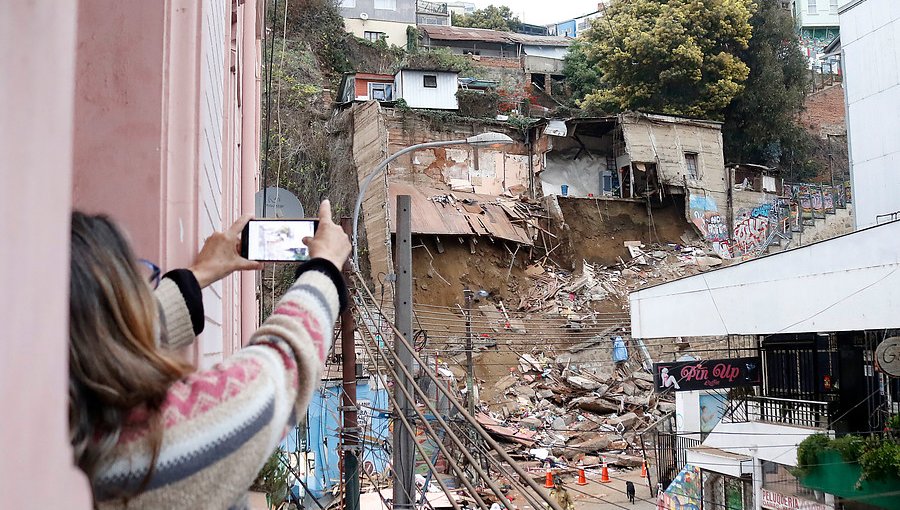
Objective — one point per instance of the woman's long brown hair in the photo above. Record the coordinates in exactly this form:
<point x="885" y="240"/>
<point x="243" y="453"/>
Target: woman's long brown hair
<point x="115" y="366"/>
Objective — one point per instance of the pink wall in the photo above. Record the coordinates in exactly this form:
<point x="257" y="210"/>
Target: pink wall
<point x="165" y="85"/>
<point x="35" y="180"/>
<point x="146" y="111"/>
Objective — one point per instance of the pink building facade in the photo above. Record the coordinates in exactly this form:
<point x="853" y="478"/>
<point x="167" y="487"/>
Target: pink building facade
<point x="144" y="110"/>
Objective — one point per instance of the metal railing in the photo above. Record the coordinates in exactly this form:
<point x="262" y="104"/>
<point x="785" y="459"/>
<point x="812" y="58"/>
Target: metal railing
<point x="802" y="413"/>
<point x="426" y="7"/>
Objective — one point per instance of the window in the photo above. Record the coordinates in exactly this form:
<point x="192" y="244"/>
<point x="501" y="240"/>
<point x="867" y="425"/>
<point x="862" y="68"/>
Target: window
<point x="375" y="36"/>
<point x="429" y="81"/>
<point x="381" y="91"/>
<point x="811" y="7"/>
<point x="833" y="7"/>
<point x="690" y="160"/>
<point x="387" y="5"/>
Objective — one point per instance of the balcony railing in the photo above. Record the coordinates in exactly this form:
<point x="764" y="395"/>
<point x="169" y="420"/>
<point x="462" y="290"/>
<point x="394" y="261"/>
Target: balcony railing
<point x="425" y="7"/>
<point x="802" y="413"/>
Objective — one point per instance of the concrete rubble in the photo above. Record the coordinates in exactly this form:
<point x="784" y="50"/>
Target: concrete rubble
<point x="564" y="416"/>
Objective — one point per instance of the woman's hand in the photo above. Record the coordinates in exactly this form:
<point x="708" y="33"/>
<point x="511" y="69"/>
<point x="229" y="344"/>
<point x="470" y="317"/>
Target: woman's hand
<point x="330" y="242"/>
<point x="221" y="255"/>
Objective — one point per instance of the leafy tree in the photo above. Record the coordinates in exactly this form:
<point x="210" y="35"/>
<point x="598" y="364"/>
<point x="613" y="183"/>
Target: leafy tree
<point x="670" y="56"/>
<point x="582" y="77"/>
<point x="491" y="17"/>
<point x="760" y="124"/>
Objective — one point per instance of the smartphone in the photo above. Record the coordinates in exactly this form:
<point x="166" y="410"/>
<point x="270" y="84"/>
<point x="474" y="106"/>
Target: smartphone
<point x="277" y="240"/>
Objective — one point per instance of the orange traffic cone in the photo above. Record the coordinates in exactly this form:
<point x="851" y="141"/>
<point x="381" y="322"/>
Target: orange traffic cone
<point x="548" y="480"/>
<point x="644" y="469"/>
<point x="604" y="474"/>
<point x="582" y="480"/>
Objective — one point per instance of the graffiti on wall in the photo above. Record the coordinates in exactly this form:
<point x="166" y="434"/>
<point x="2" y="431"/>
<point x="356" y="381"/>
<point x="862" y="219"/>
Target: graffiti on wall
<point x="751" y="229"/>
<point x="683" y="493"/>
<point x="705" y="215"/>
<point x="828" y="199"/>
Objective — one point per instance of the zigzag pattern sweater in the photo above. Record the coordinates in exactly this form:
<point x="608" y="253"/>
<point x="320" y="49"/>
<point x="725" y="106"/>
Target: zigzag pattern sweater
<point x="220" y="425"/>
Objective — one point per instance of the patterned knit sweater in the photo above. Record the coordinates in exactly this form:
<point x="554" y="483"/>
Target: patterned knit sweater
<point x="220" y="425"/>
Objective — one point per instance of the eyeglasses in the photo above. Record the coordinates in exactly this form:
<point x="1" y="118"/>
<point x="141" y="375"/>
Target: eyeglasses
<point x="152" y="271"/>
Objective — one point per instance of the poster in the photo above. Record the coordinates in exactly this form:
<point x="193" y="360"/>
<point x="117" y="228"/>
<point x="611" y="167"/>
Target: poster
<point x="712" y="408"/>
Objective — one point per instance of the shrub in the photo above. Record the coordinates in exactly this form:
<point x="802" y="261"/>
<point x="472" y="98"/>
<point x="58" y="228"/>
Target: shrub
<point x="478" y="104"/>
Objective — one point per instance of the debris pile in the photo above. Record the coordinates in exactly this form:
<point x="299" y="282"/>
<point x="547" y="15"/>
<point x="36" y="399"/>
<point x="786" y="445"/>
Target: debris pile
<point x="551" y="409"/>
<point x="555" y="290"/>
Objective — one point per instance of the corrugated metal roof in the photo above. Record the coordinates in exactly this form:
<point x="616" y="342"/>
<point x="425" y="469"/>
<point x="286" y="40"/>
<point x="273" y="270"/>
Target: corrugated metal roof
<point x="483" y="216"/>
<point x="443" y="33"/>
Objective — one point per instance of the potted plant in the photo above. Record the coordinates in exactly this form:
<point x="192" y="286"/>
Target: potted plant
<point x="272" y="480"/>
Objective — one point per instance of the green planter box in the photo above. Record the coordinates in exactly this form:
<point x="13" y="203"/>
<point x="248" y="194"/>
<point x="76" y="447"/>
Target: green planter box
<point x="836" y="476"/>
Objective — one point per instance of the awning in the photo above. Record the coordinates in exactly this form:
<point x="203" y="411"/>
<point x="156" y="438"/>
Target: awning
<point x="442" y="212"/>
<point x="848" y="283"/>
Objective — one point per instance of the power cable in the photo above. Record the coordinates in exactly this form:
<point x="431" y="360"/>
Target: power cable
<point x="410" y="398"/>
<point x="472" y="491"/>
<point x="454" y="401"/>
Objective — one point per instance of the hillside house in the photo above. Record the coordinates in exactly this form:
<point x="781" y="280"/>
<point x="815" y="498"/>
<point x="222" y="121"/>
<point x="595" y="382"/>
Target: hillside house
<point x="423" y="88"/>
<point x="366" y="87"/>
<point x="535" y="59"/>
<point x="374" y="20"/>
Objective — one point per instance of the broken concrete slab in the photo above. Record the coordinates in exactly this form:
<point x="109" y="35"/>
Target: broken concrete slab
<point x="589" y="442"/>
<point x="583" y="383"/>
<point x="626" y="420"/>
<point x="597" y="405"/>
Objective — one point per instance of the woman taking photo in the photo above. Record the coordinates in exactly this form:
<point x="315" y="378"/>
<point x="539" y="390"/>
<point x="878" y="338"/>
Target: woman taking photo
<point x="148" y="429"/>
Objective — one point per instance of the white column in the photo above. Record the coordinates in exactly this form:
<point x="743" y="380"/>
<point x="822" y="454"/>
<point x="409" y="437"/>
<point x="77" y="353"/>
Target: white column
<point x="757" y="478"/>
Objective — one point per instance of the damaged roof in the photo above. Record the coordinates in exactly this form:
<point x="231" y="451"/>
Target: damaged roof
<point x="463" y="214"/>
<point x="444" y="33"/>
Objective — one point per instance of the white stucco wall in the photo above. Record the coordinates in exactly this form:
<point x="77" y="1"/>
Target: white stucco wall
<point x="848" y="283"/>
<point x="870" y="37"/>
<point x="393" y="30"/>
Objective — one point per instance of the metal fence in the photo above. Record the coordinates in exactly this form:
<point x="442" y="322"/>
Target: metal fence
<point x="671" y="455"/>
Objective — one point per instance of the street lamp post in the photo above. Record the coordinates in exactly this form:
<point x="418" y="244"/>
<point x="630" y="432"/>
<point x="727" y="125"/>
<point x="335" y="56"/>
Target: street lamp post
<point x="483" y="140"/>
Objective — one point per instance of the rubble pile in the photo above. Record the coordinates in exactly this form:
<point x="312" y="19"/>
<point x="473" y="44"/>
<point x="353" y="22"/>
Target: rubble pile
<point x="554" y="290"/>
<point x="550" y="409"/>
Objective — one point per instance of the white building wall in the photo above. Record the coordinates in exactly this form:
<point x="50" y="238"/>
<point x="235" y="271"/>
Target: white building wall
<point x="847" y="283"/>
<point x="825" y="13"/>
<point x="870" y="37"/>
<point x="409" y="85"/>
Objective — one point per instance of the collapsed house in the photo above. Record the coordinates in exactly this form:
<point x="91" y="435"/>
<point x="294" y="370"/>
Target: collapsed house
<point x="646" y="156"/>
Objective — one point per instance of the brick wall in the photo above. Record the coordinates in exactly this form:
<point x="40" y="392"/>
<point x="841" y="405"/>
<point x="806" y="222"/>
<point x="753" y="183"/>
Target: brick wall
<point x="824" y="112"/>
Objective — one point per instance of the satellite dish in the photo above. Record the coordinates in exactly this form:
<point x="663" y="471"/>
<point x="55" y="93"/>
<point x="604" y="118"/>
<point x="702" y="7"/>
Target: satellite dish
<point x="363" y="16"/>
<point x="281" y="203"/>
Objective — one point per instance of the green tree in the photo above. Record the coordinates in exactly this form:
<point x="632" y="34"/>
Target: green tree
<point x="760" y="124"/>
<point x="581" y="75"/>
<point x="670" y="56"/>
<point x="491" y="17"/>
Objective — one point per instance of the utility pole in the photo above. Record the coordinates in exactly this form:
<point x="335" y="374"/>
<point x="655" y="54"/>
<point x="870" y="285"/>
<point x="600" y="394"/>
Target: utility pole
<point x="470" y="368"/>
<point x="404" y="480"/>
<point x="351" y="430"/>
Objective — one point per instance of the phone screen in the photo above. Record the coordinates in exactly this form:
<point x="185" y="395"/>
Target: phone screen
<point x="277" y="240"/>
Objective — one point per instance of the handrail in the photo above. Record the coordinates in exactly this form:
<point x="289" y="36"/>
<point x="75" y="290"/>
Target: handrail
<point x="792" y="400"/>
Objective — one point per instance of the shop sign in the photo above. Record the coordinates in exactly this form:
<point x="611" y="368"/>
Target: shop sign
<point x="706" y="374"/>
<point x="777" y="501"/>
<point x="887" y="356"/>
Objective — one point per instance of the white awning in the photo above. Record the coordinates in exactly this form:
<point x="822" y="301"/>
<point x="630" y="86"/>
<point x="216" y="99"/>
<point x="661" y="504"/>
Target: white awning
<point x="847" y="283"/>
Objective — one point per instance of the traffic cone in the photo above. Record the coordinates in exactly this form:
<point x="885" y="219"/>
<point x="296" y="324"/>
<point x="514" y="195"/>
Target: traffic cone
<point x="644" y="469"/>
<point x="548" y="480"/>
<point x="604" y="474"/>
<point x="582" y="480"/>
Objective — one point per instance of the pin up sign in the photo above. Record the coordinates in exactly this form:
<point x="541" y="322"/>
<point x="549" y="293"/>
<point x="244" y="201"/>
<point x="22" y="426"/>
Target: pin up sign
<point x="706" y="374"/>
